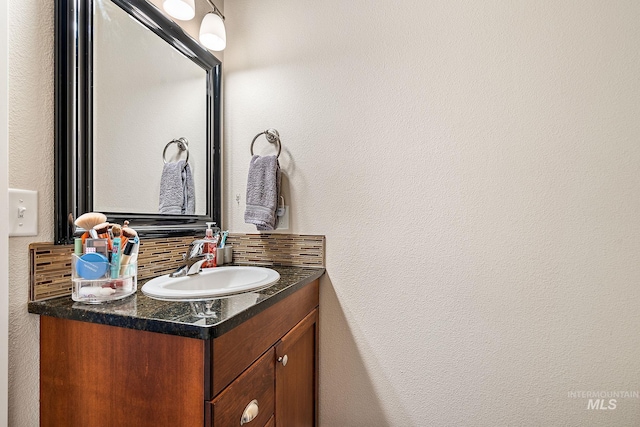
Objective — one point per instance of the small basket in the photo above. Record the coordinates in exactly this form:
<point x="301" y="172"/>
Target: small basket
<point x="114" y="284"/>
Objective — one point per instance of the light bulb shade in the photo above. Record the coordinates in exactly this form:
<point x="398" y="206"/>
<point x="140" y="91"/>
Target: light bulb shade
<point x="212" y="32"/>
<point x="180" y="9"/>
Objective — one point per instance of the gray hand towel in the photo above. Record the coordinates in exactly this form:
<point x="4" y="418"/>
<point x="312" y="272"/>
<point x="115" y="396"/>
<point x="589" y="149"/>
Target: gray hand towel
<point x="263" y="189"/>
<point x="177" y="192"/>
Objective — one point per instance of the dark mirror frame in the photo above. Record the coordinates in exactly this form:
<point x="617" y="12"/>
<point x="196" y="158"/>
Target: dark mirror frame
<point x="73" y="120"/>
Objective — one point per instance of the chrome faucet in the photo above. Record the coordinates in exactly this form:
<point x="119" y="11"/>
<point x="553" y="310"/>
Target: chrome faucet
<point x="193" y="259"/>
<point x="196" y="255"/>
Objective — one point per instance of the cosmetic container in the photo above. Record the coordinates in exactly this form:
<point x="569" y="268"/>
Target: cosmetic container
<point x="96" y="280"/>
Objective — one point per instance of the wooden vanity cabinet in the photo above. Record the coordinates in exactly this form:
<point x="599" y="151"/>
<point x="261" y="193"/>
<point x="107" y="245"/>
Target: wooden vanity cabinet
<point x="282" y="382"/>
<point x="98" y="375"/>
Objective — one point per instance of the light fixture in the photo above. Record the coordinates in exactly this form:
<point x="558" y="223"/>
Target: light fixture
<point x="212" y="32"/>
<point x="183" y="10"/>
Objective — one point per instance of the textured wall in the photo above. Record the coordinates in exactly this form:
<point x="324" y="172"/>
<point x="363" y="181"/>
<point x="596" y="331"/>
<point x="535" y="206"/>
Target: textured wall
<point x="474" y="166"/>
<point x="4" y="219"/>
<point x="31" y="168"/>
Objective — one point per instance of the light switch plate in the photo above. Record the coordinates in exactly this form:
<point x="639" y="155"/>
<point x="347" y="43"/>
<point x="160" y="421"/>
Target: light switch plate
<point x="23" y="212"/>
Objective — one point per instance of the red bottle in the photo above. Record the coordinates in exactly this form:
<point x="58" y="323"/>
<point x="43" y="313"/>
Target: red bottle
<point x="209" y="248"/>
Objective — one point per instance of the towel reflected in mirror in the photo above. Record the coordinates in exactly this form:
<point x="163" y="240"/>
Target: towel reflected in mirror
<point x="177" y="192"/>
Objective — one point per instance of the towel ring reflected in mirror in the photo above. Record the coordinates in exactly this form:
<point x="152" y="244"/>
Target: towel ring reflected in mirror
<point x="183" y="145"/>
<point x="272" y="136"/>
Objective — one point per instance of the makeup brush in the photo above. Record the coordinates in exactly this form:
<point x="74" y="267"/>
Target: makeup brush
<point x="89" y="220"/>
<point x="102" y="231"/>
<point x="116" y="230"/>
<point x="127" y="233"/>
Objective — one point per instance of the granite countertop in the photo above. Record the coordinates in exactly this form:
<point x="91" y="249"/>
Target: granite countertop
<point x="178" y="318"/>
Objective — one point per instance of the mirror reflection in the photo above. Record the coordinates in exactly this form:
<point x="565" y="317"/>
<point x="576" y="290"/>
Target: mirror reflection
<point x="132" y="132"/>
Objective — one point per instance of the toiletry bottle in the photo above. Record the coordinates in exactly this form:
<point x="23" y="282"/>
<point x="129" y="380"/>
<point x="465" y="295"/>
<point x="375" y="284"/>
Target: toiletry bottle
<point x="116" y="249"/>
<point x="209" y="248"/>
<point x="128" y="258"/>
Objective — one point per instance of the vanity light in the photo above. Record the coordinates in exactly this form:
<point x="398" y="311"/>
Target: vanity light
<point x="212" y="32"/>
<point x="183" y="10"/>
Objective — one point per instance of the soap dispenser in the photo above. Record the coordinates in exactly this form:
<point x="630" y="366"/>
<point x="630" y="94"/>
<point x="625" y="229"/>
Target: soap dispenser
<point x="209" y="248"/>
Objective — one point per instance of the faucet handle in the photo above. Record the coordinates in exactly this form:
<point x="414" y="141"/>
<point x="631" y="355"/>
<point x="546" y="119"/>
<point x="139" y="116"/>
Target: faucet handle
<point x="196" y="248"/>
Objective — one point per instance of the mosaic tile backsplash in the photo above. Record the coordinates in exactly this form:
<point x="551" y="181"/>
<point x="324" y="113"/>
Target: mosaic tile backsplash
<point x="51" y="264"/>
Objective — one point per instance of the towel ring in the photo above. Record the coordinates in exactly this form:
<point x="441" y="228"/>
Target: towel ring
<point x="183" y="145"/>
<point x="272" y="136"/>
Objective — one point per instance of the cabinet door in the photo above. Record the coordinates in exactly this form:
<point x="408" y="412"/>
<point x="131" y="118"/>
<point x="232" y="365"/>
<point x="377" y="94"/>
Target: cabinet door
<point x="296" y="370"/>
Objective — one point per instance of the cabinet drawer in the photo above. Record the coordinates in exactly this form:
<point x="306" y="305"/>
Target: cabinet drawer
<point x="256" y="383"/>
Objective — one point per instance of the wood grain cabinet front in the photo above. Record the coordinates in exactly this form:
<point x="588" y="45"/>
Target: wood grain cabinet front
<point x="261" y="373"/>
<point x="249" y="400"/>
<point x="296" y="366"/>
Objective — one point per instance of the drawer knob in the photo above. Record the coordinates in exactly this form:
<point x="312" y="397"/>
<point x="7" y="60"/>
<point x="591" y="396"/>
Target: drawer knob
<point x="283" y="359"/>
<point x="250" y="412"/>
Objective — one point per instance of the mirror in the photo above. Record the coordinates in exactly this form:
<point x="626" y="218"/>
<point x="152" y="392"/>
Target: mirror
<point x="129" y="83"/>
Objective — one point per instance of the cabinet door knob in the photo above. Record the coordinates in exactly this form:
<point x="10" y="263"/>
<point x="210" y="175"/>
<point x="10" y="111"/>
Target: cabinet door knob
<point x="283" y="359"/>
<point x="250" y="412"/>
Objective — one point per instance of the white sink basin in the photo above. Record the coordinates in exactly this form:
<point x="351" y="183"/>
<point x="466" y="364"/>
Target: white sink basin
<point x="211" y="283"/>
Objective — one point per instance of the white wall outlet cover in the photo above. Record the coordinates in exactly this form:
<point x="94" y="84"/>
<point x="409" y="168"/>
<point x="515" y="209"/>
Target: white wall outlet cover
<point x="283" y="220"/>
<point x="23" y="212"/>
